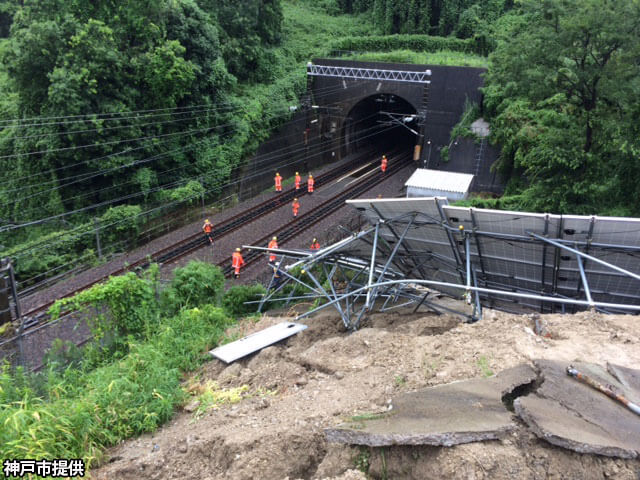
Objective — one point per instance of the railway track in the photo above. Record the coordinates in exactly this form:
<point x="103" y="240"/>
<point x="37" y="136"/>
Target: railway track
<point x="302" y="223"/>
<point x="197" y="240"/>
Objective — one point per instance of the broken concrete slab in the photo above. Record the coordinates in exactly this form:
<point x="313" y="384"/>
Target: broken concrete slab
<point x="629" y="378"/>
<point x="445" y="415"/>
<point x="570" y="414"/>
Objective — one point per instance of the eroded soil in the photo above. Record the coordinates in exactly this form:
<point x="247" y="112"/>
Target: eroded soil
<point x="324" y="376"/>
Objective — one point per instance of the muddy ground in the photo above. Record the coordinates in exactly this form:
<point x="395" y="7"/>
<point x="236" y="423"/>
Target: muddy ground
<point x="324" y="376"/>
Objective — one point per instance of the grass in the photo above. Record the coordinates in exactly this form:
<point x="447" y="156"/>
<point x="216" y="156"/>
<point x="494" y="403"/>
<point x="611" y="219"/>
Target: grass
<point x="76" y="413"/>
<point x="400" y="380"/>
<point x="446" y="58"/>
<point x="362" y="460"/>
<point x="310" y="31"/>
<point x="210" y="396"/>
<point x="357" y="421"/>
<point x="483" y="365"/>
<point x="367" y="416"/>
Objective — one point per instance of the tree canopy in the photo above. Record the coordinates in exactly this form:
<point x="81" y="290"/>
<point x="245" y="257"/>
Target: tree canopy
<point x="80" y="64"/>
<point x="562" y="89"/>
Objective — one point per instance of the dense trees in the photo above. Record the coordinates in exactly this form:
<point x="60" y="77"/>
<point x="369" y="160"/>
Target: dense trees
<point x="462" y="18"/>
<point x="176" y="61"/>
<point x="562" y="89"/>
<point x="202" y="82"/>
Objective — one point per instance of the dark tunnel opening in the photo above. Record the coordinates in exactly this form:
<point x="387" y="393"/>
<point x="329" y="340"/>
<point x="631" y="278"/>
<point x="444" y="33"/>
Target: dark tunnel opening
<point x="385" y="121"/>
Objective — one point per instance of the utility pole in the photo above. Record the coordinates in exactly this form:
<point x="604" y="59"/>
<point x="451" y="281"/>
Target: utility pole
<point x="96" y="226"/>
<point x="7" y="268"/>
<point x="427" y="160"/>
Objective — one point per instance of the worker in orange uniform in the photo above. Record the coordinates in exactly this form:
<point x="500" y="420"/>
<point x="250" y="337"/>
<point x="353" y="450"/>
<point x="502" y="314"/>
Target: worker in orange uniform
<point x="207" y="228"/>
<point x="297" y="181"/>
<point x="314" y="244"/>
<point x="278" y="181"/>
<point x="273" y="244"/>
<point x="310" y="183"/>
<point x="383" y="165"/>
<point x="236" y="262"/>
<point x="296" y="207"/>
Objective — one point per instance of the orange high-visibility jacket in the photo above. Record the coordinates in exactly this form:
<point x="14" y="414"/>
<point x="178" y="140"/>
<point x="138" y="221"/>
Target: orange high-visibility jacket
<point x="296" y="206"/>
<point x="236" y="260"/>
<point x="298" y="180"/>
<point x="207" y="227"/>
<point x="310" y="183"/>
<point x="272" y="244"/>
<point x="278" y="180"/>
<point x="315" y="246"/>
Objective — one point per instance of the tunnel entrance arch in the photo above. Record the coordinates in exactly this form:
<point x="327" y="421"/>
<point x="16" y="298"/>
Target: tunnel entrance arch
<point x="385" y="120"/>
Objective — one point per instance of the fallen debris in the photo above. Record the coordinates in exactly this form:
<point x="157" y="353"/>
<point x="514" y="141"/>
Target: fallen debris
<point x="444" y="415"/>
<point x="256" y="341"/>
<point x="572" y="415"/>
<point x="573" y="372"/>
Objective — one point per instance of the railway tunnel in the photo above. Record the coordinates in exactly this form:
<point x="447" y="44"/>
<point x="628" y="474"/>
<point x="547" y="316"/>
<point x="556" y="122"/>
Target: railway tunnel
<point x="341" y="115"/>
<point x="384" y="122"/>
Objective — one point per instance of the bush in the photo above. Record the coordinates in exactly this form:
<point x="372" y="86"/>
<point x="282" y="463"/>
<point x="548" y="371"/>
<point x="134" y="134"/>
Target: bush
<point x="197" y="283"/>
<point x="189" y="193"/>
<point x="44" y="255"/>
<point x="420" y="43"/>
<point x="120" y="224"/>
<point x="441" y="57"/>
<point x="190" y="334"/>
<point x="76" y="413"/>
<point x="125" y="306"/>
<point x="234" y="298"/>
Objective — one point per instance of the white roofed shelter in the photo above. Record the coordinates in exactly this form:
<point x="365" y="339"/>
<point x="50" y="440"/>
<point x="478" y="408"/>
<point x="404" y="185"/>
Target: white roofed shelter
<point x="438" y="183"/>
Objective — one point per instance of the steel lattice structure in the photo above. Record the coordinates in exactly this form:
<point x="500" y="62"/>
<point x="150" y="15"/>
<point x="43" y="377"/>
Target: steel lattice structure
<point x="417" y="249"/>
<point x="369" y="73"/>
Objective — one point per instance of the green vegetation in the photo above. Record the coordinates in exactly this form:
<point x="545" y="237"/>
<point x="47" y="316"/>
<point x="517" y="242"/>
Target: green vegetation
<point x="561" y="90"/>
<point x="363" y="459"/>
<point x="562" y="94"/>
<point x="136" y="111"/>
<point x="234" y="299"/>
<point x="209" y="396"/>
<point x="442" y="57"/>
<point x="188" y="71"/>
<point x="400" y="380"/>
<point x="483" y="365"/>
<point x="195" y="284"/>
<point x="414" y="43"/>
<point x="128" y="381"/>
<point x="115" y="115"/>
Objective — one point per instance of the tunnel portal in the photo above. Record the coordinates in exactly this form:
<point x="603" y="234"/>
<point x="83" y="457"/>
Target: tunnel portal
<point x="384" y="120"/>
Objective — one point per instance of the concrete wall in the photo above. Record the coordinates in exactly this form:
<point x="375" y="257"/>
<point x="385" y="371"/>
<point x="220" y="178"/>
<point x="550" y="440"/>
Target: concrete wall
<point x="449" y="88"/>
<point x="285" y="152"/>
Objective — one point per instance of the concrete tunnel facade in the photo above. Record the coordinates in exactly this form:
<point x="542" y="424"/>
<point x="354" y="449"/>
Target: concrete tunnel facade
<point x="441" y="102"/>
<point x="325" y="126"/>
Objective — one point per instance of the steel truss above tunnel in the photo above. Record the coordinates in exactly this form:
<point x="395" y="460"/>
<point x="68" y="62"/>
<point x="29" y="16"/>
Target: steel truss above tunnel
<point x="369" y="73"/>
<point x="416" y="250"/>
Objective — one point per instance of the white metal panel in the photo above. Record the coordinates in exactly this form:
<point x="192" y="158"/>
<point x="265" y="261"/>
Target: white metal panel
<point x="440" y="180"/>
<point x="256" y="341"/>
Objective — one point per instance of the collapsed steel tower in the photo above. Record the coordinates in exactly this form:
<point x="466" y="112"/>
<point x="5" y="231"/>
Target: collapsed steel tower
<point x="414" y="250"/>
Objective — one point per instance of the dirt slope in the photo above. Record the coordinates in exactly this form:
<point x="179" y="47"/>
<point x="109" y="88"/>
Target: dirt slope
<point x="324" y="376"/>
